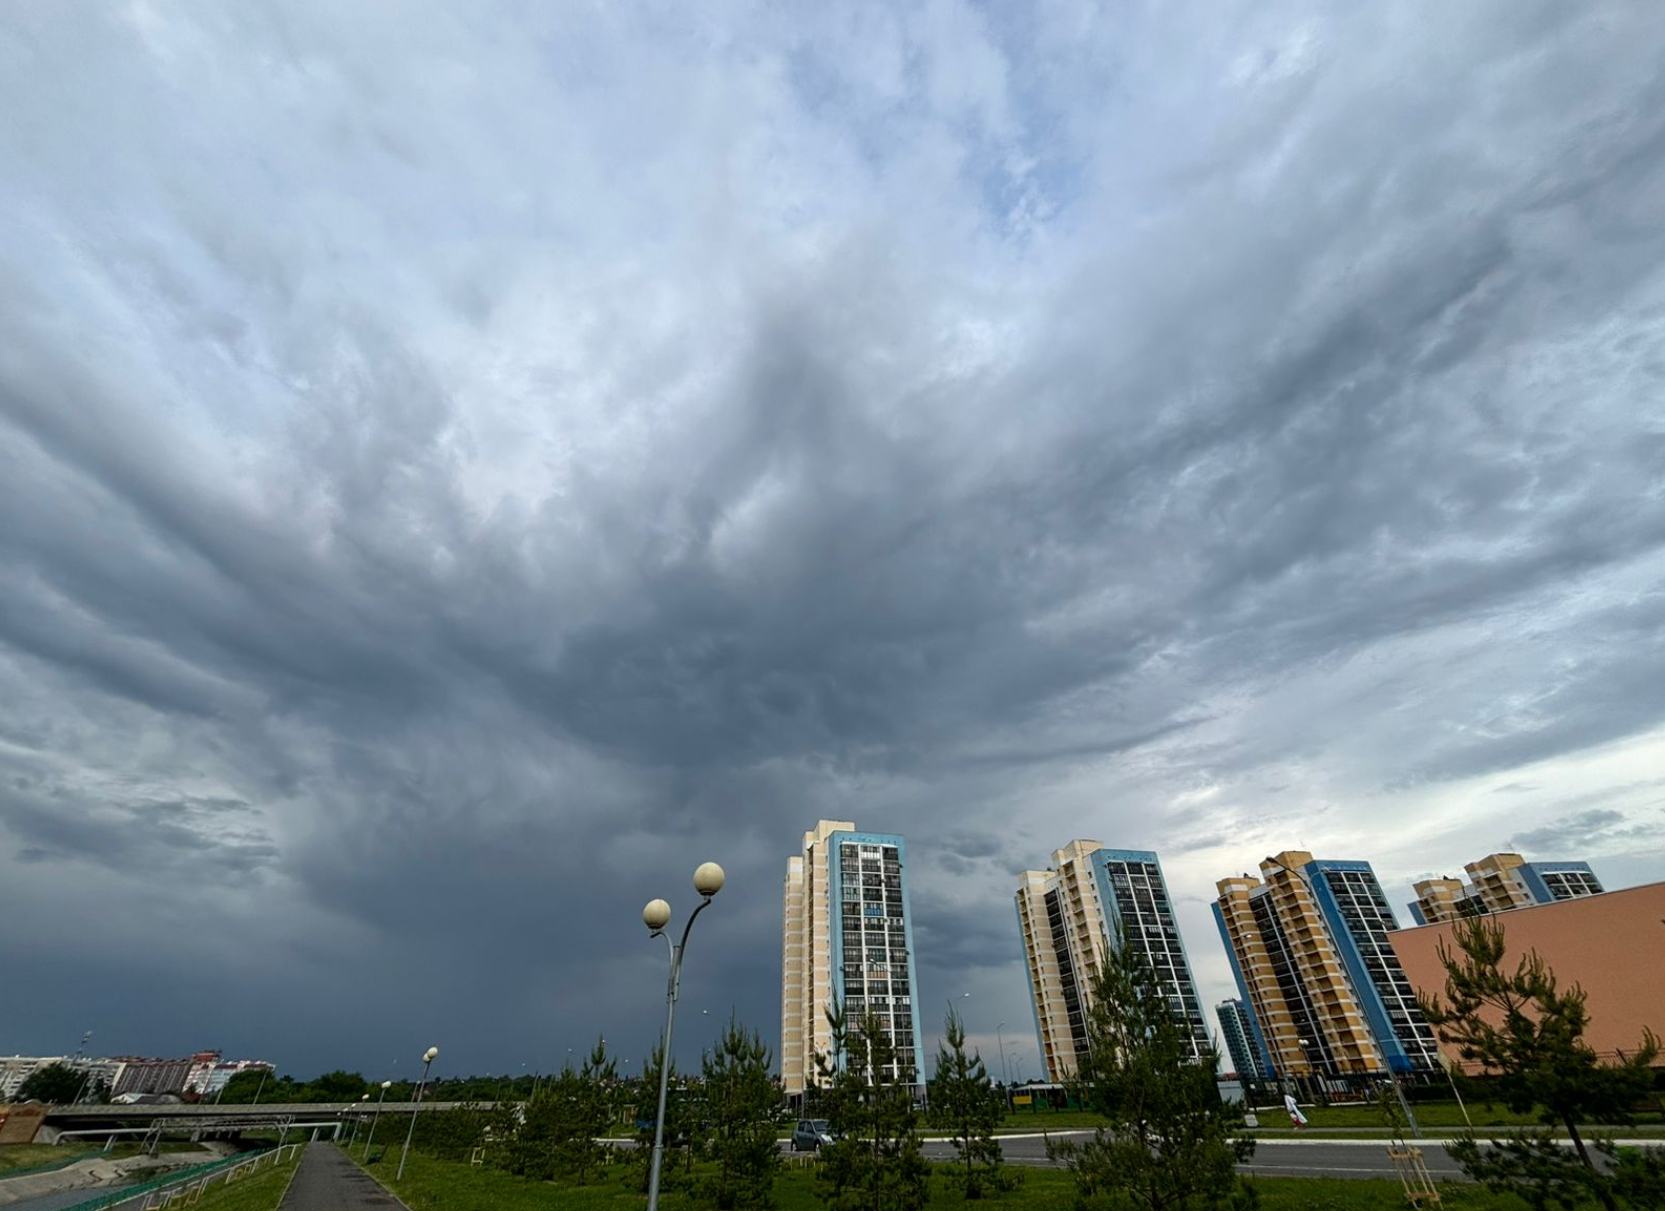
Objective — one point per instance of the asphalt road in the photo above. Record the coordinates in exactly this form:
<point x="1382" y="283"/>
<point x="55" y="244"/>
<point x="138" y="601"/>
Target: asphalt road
<point x="1280" y="1157"/>
<point x="328" y="1181"/>
<point x="1283" y="1158"/>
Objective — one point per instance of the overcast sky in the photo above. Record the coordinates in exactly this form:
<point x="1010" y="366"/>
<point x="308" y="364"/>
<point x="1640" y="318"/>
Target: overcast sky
<point x="463" y="465"/>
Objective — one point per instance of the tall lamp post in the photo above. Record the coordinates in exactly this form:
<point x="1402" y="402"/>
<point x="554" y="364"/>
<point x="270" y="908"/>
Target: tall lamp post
<point x="708" y="881"/>
<point x="374" y="1118"/>
<point x="1005" y="1073"/>
<point x="358" y="1119"/>
<point x="427" y="1061"/>
<point x="1303" y="1080"/>
<point x="86" y="1079"/>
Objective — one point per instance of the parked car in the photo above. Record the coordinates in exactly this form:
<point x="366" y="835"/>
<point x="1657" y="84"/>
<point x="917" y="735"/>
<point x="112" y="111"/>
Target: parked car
<point x="810" y="1134"/>
<point x="676" y="1139"/>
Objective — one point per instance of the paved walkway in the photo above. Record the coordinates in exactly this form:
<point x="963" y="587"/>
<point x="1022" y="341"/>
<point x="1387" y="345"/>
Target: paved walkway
<point x="328" y="1181"/>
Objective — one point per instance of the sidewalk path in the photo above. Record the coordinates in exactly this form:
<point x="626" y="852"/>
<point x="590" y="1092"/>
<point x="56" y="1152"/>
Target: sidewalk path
<point x="328" y="1181"/>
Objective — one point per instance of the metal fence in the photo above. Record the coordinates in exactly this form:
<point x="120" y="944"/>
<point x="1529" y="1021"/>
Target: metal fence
<point x="185" y="1188"/>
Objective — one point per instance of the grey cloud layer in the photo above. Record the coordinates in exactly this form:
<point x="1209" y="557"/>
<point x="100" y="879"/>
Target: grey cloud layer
<point x="459" y="474"/>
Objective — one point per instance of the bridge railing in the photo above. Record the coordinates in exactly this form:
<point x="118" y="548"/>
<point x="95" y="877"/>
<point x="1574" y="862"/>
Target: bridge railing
<point x="184" y="1188"/>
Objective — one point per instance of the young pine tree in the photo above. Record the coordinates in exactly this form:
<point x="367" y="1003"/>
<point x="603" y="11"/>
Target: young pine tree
<point x="528" y="1146"/>
<point x="965" y="1103"/>
<point x="1528" y="1032"/>
<point x="875" y="1162"/>
<point x="683" y="1134"/>
<point x="584" y="1115"/>
<point x="740" y="1101"/>
<point x="1168" y="1142"/>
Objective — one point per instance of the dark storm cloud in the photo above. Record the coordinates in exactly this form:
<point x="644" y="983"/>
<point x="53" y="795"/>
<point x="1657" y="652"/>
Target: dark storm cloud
<point x="164" y="837"/>
<point x="1574" y="834"/>
<point x="459" y="475"/>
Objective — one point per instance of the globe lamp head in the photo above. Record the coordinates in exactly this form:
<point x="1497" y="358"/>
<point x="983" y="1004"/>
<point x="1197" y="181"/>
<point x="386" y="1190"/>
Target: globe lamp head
<point x="656" y="915"/>
<point x="708" y="879"/>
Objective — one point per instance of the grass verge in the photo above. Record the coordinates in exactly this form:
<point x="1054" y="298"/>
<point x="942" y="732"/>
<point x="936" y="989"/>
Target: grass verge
<point x="261" y="1192"/>
<point x="453" y="1186"/>
<point x="15" y="1157"/>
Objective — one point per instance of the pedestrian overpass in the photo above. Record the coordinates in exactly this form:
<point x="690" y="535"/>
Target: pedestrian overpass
<point x="209" y="1121"/>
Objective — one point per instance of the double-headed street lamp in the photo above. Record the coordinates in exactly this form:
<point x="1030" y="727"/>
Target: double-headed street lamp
<point x="708" y="881"/>
<point x="427" y="1061"/>
<point x="374" y="1119"/>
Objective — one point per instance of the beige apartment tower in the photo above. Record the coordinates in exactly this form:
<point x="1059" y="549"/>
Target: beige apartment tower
<point x="1501" y="883"/>
<point x="1060" y="919"/>
<point x="847" y="940"/>
<point x="1068" y="915"/>
<point x="1291" y="974"/>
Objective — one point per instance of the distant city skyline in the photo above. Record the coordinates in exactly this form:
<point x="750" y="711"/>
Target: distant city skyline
<point x="201" y="1072"/>
<point x="1569" y="878"/>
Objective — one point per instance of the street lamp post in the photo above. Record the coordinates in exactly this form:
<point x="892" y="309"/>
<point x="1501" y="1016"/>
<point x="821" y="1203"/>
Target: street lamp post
<point x="86" y="1078"/>
<point x="1450" y="1065"/>
<point x="358" y="1120"/>
<point x="1303" y="1080"/>
<point x="1005" y="1073"/>
<point x="708" y="881"/>
<point x="374" y="1119"/>
<point x="427" y="1061"/>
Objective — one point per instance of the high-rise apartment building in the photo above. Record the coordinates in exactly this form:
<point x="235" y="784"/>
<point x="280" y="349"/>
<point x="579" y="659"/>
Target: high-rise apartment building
<point x="1243" y="1042"/>
<point x="152" y="1075"/>
<point x="1069" y="914"/>
<point x="847" y="941"/>
<point x="1310" y="952"/>
<point x="1501" y="883"/>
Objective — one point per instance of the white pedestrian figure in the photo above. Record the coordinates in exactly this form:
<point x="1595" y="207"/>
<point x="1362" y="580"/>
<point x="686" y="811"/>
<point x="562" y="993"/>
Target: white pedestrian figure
<point x="1295" y="1115"/>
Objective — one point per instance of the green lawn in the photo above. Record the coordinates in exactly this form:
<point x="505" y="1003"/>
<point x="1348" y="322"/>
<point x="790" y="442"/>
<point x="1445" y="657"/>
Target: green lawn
<point x="261" y="1192"/>
<point x="1024" y="1119"/>
<point x="453" y="1186"/>
<point x="1428" y="1114"/>
<point x="1440" y="1116"/>
<point x="33" y="1156"/>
